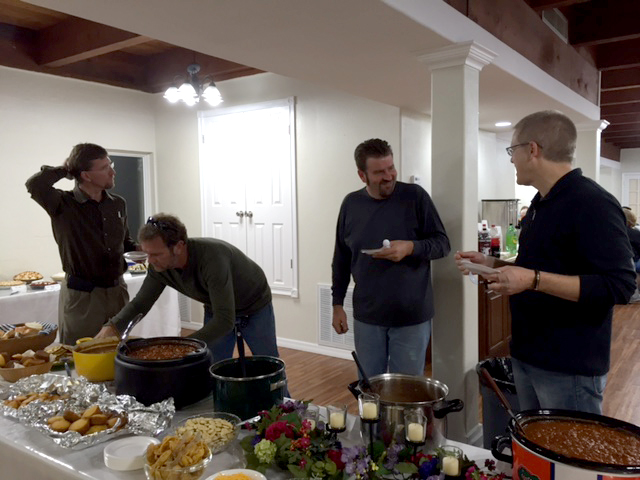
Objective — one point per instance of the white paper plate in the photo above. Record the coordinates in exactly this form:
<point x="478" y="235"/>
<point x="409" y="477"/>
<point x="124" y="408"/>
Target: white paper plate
<point x="477" y="268"/>
<point x="127" y="453"/>
<point x="252" y="474"/>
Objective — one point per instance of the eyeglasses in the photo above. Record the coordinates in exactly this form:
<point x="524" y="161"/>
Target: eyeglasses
<point x="161" y="225"/>
<point x="513" y="147"/>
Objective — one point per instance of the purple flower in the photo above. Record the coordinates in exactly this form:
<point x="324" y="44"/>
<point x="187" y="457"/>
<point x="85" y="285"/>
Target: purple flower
<point x="428" y="468"/>
<point x="392" y="456"/>
<point x="256" y="440"/>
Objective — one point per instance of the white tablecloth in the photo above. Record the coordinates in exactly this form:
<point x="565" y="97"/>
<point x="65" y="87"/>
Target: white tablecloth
<point x="26" y="454"/>
<point x="29" y="305"/>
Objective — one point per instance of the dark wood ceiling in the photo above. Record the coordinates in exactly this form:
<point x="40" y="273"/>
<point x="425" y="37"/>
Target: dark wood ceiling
<point x="42" y="40"/>
<point x="605" y="34"/>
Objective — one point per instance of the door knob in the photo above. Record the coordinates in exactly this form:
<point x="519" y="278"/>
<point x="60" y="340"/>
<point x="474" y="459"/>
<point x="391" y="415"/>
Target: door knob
<point x="249" y="214"/>
<point x="240" y="214"/>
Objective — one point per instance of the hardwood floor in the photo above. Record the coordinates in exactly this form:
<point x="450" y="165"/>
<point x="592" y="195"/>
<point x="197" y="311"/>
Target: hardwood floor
<point x="324" y="380"/>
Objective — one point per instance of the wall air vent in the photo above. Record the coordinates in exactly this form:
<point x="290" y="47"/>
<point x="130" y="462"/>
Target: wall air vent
<point x="557" y="22"/>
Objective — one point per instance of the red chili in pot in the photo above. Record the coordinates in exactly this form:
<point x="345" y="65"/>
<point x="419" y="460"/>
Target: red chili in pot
<point x="164" y="351"/>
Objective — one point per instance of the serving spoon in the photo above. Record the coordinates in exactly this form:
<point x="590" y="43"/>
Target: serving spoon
<point x="123" y="340"/>
<point x="503" y="400"/>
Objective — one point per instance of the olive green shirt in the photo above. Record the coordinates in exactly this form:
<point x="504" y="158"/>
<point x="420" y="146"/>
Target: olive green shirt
<point x="91" y="236"/>
<point x="219" y="275"/>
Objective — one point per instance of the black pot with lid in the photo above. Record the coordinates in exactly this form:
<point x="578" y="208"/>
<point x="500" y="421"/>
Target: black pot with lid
<point x="185" y="378"/>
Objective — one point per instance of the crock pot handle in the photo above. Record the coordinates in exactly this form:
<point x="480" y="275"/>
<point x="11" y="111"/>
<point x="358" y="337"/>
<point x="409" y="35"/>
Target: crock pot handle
<point x="279" y="384"/>
<point x="354" y="389"/>
<point x="442" y="408"/>
<point x="498" y="444"/>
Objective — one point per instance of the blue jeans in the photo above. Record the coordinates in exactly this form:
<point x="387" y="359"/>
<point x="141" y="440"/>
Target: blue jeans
<point x="538" y="388"/>
<point x="258" y="331"/>
<point x="392" y="349"/>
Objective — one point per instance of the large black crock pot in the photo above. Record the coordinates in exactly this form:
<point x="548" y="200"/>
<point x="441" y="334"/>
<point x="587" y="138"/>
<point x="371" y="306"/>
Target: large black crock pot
<point x="533" y="461"/>
<point x="263" y="386"/>
<point x="185" y="379"/>
<point x="399" y="392"/>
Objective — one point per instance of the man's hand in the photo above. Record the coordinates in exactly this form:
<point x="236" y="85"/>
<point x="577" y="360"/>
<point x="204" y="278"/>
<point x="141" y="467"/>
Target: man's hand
<point x="340" y="320"/>
<point x="107" y="331"/>
<point x="510" y="280"/>
<point x="65" y="165"/>
<point x="397" y="250"/>
<point x="473" y="257"/>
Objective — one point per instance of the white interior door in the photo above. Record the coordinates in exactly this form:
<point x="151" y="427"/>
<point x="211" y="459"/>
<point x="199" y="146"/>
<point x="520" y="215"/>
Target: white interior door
<point x="248" y="182"/>
<point x="631" y="191"/>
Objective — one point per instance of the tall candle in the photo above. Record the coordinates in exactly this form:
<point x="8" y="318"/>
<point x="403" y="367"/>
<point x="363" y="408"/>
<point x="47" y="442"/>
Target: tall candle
<point x="451" y="466"/>
<point x="369" y="411"/>
<point x="336" y="420"/>
<point x="415" y="433"/>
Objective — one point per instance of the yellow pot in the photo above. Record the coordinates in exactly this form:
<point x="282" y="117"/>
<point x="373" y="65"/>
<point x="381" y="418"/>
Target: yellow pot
<point x="95" y="358"/>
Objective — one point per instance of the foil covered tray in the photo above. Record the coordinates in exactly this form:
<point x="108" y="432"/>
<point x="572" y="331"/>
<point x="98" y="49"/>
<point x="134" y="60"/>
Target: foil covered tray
<point x="136" y="418"/>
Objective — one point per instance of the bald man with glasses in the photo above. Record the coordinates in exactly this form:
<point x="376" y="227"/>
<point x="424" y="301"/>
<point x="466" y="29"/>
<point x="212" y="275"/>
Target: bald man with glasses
<point x="574" y="264"/>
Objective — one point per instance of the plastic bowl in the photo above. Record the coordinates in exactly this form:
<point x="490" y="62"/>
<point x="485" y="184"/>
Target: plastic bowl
<point x="93" y="363"/>
<point x="194" y="472"/>
<point x="15" y="374"/>
<point x="216" y="443"/>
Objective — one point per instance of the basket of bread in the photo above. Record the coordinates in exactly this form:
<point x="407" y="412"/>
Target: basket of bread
<point x="20" y="337"/>
<point x="20" y="365"/>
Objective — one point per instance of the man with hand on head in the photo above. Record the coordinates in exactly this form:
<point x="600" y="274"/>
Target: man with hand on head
<point x="232" y="287"/>
<point x="393" y="296"/>
<point x="574" y="264"/>
<point x="90" y="227"/>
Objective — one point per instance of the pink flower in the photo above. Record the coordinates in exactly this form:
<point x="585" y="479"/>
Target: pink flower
<point x="303" y="463"/>
<point x="275" y="430"/>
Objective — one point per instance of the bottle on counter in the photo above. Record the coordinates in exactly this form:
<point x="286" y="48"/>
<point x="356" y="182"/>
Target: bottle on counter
<point x="512" y="240"/>
<point x="484" y="240"/>
<point x="495" y="241"/>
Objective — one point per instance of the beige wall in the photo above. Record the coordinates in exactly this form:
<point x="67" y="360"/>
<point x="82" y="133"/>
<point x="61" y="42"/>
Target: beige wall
<point x="41" y="118"/>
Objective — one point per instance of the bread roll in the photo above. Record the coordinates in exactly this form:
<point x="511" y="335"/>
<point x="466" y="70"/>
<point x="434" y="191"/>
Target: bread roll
<point x="81" y="426"/>
<point x="61" y="425"/>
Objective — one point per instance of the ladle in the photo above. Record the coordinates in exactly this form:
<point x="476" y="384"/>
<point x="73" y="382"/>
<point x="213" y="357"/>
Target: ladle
<point x="125" y="335"/>
<point x="365" y="380"/>
<point x="503" y="400"/>
<point x="240" y="343"/>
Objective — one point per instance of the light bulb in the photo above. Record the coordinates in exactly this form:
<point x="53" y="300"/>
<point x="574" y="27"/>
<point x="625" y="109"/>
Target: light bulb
<point x="172" y="94"/>
<point x="212" y="95"/>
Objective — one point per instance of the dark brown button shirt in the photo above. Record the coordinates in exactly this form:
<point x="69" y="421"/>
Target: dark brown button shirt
<point x="91" y="236"/>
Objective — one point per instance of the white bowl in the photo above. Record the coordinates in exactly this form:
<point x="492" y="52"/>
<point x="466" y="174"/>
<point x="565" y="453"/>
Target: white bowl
<point x="252" y="474"/>
<point x="136" y="256"/>
<point x="58" y="277"/>
<point x="128" y="453"/>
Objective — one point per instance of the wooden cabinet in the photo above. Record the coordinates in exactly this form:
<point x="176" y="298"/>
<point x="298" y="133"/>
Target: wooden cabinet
<point x="494" y="323"/>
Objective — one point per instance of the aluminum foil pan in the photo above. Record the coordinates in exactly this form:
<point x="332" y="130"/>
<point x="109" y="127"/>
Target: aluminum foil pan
<point x="71" y="389"/>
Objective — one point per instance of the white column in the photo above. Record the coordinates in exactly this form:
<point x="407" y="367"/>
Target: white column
<point x="588" y="148"/>
<point x="455" y="73"/>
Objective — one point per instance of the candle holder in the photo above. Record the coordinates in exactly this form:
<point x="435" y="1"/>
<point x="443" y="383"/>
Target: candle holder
<point x="415" y="428"/>
<point x="369" y="409"/>
<point x="451" y="461"/>
<point x="336" y="419"/>
<point x="312" y="415"/>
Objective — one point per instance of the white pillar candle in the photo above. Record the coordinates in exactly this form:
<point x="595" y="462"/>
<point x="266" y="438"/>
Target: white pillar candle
<point x="369" y="411"/>
<point x="415" y="433"/>
<point x="312" y="422"/>
<point x="336" y="420"/>
<point x="451" y="466"/>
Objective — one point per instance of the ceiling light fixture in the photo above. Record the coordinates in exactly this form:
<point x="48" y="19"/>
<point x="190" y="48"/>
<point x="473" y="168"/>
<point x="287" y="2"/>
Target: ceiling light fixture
<point x="503" y="124"/>
<point x="192" y="90"/>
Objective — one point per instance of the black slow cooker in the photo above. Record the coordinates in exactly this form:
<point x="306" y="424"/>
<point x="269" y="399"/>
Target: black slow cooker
<point x="186" y="379"/>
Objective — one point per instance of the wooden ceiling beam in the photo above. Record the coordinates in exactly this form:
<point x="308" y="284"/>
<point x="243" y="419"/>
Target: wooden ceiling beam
<point x="616" y="97"/>
<point x="618" y="55"/>
<point x="631" y="144"/>
<point x="540" y="5"/>
<point x="597" y="23"/>
<point x="609" y="150"/>
<point x="622" y="128"/>
<point x="76" y="39"/>
<point x="163" y="68"/>
<point x="612" y="79"/>
<point x="618" y="111"/>
<point x="623" y="136"/>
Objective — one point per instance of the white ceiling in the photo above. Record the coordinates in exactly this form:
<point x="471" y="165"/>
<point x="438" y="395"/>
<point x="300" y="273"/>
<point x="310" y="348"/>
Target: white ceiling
<point x="365" y="47"/>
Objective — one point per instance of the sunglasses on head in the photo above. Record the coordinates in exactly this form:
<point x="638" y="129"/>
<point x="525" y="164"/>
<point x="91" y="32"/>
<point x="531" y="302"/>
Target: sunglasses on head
<point x="161" y="225"/>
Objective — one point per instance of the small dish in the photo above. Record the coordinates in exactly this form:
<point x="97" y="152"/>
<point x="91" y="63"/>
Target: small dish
<point x="58" y="277"/>
<point x="136" y="256"/>
<point x="203" y="424"/>
<point x="252" y="474"/>
<point x="128" y="453"/>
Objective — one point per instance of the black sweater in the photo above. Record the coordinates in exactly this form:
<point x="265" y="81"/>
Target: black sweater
<point x="388" y="293"/>
<point x="576" y="229"/>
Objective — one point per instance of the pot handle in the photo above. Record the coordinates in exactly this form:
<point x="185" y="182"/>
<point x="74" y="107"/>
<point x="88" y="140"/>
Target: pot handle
<point x="498" y="444"/>
<point x="442" y="408"/>
<point x="279" y="384"/>
<point x="355" y="389"/>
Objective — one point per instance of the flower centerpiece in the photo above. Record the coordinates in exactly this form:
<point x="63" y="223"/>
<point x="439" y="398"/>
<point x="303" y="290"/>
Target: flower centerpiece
<point x="283" y="439"/>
